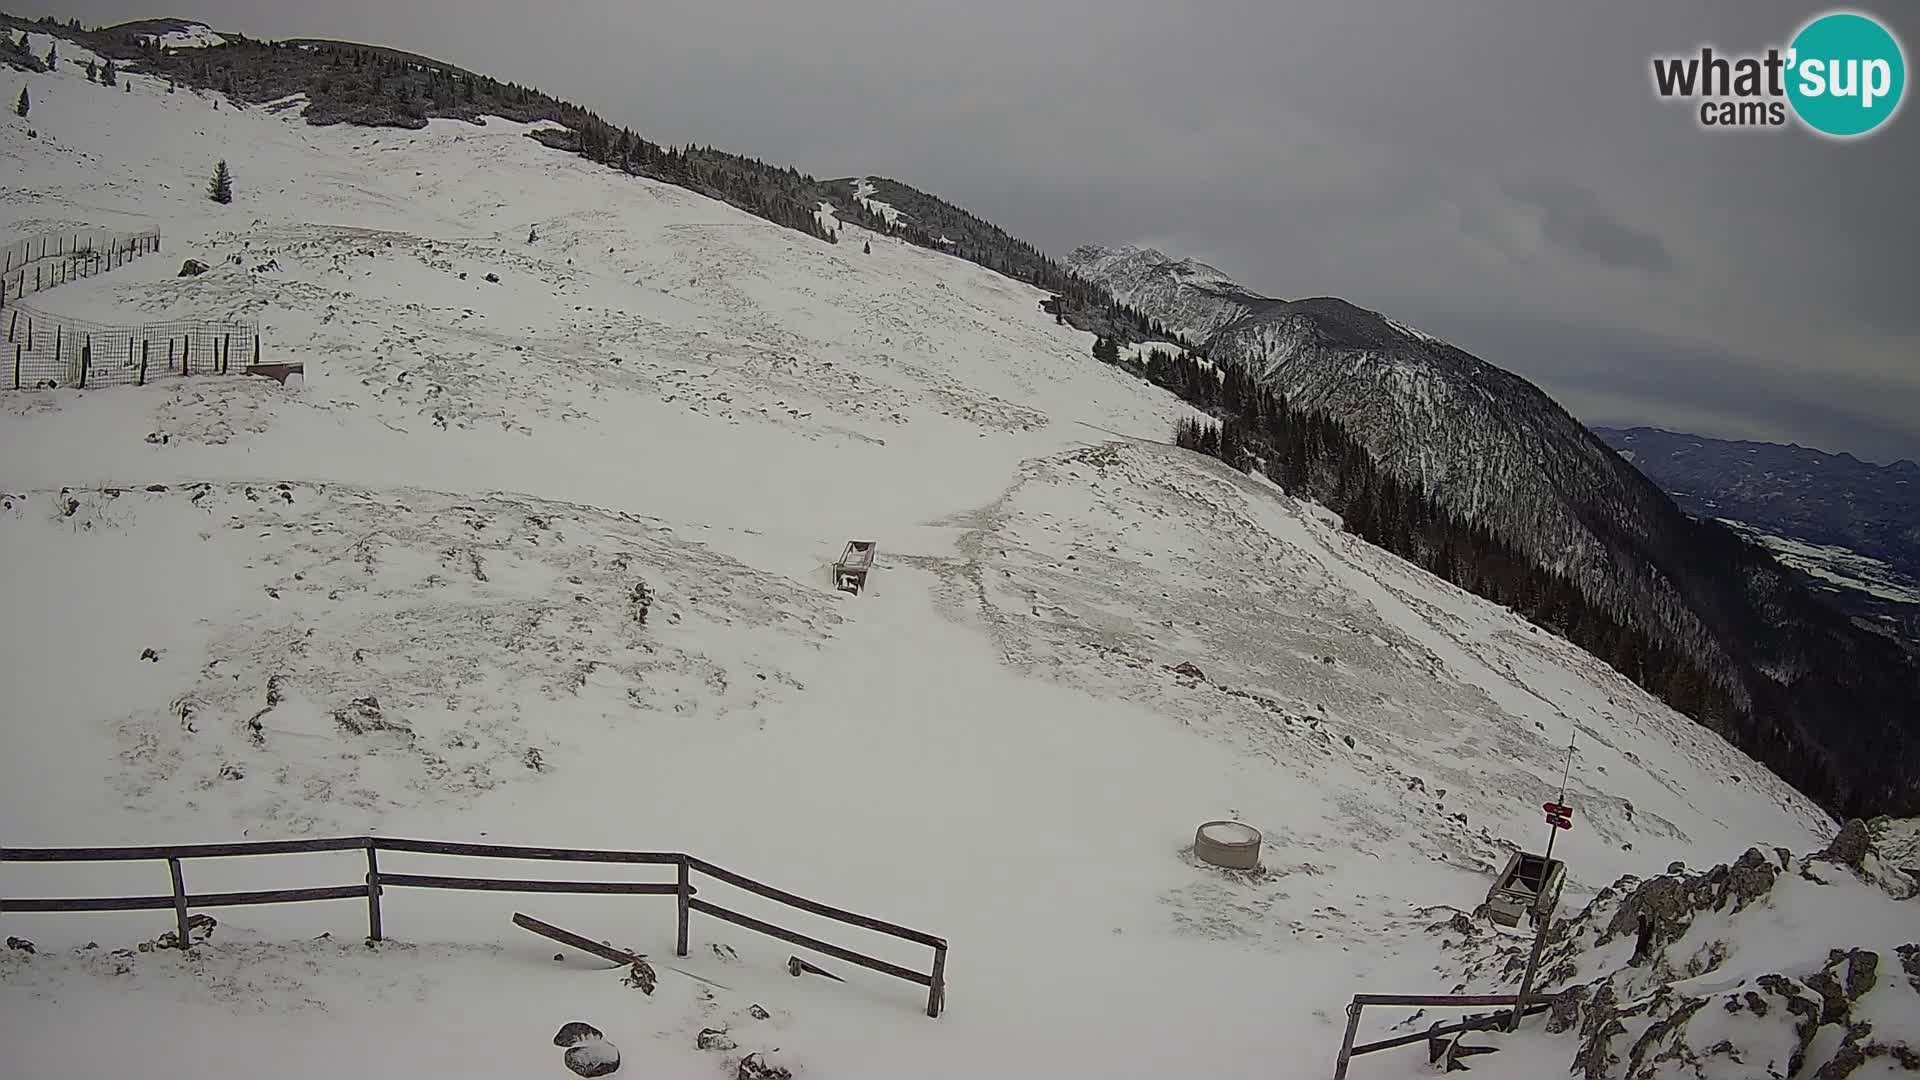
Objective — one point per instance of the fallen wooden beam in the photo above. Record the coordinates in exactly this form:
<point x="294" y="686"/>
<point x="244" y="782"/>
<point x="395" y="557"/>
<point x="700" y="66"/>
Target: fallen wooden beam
<point x="603" y="951"/>
<point x="568" y="937"/>
<point x="795" y="966"/>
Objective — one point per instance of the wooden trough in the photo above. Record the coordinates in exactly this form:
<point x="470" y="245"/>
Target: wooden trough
<point x="850" y="573"/>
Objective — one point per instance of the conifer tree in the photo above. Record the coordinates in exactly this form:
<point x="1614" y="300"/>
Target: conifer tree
<point x="108" y="74"/>
<point x="221" y="189"/>
<point x="25" y="103"/>
<point x="93" y="72"/>
<point x="53" y="56"/>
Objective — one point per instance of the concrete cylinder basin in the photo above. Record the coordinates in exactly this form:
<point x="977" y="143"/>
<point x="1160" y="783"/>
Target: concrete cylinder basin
<point x="1228" y="844"/>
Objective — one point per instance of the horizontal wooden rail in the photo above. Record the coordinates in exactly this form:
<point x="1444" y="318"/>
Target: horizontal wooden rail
<point x="509" y="851"/>
<point x="805" y="904"/>
<point x="1462" y="1000"/>
<point x="815" y="944"/>
<point x="429" y="881"/>
<point x="1488" y="1023"/>
<point x="199" y="900"/>
<point x="183" y="851"/>
<point x="1348" y="1051"/>
<point x="98" y="903"/>
<point x="376" y="881"/>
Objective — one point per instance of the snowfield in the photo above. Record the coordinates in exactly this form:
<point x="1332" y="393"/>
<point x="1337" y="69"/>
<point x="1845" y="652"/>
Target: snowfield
<point x="406" y="595"/>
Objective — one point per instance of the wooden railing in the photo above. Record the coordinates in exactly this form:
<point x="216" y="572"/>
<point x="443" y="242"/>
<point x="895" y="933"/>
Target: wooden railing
<point x="1348" y="1051"/>
<point x="376" y="881"/>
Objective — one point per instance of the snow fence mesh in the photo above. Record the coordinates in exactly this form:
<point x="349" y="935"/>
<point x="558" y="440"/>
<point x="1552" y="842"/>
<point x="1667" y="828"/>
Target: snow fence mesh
<point x="47" y="352"/>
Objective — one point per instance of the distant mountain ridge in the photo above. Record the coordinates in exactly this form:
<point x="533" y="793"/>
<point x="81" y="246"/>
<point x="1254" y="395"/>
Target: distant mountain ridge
<point x="1821" y="701"/>
<point x="1789" y="490"/>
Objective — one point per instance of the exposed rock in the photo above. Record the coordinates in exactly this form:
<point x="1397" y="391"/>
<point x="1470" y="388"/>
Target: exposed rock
<point x="593" y="1057"/>
<point x="1850" y="847"/>
<point x="575" y="1031"/>
<point x="1189" y="670"/>
<point x="20" y="945"/>
<point x="192" y="268"/>
<point x="714" y="1039"/>
<point x="754" y="1067"/>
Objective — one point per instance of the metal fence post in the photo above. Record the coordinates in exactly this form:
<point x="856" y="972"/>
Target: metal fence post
<point x="373" y="891"/>
<point x="179" y="901"/>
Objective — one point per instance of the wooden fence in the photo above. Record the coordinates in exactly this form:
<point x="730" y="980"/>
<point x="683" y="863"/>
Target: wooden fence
<point x="1348" y="1051"/>
<point x="42" y="262"/>
<point x="682" y="888"/>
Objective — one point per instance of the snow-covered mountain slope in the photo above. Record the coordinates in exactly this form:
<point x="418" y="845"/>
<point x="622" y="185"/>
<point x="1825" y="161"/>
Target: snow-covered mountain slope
<point x="1188" y="297"/>
<point x="1818" y="699"/>
<point x="404" y="596"/>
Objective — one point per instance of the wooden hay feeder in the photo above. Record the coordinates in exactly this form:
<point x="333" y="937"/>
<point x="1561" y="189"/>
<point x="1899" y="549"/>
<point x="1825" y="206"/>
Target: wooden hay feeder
<point x="1528" y="888"/>
<point x="850" y="573"/>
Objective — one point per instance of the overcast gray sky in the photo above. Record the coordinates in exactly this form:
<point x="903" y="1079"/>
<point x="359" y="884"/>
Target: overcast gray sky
<point x="1497" y="172"/>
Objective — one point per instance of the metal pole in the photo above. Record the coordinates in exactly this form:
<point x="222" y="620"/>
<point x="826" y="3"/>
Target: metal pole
<point x="1533" y="963"/>
<point x="1346" y="1044"/>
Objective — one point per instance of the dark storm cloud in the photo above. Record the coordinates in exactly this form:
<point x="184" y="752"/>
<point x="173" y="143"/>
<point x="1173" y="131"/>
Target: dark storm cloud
<point x="1384" y="151"/>
<point x="1574" y="219"/>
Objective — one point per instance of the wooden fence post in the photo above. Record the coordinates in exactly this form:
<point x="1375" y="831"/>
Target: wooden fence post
<point x="256" y="350"/>
<point x="937" y="993"/>
<point x="179" y="901"/>
<point x="143" y="363"/>
<point x="226" y="353"/>
<point x="13" y="324"/>
<point x="16" y="367"/>
<point x="1346" y="1044"/>
<point x="373" y="891"/>
<point x="686" y="894"/>
<point x="86" y="360"/>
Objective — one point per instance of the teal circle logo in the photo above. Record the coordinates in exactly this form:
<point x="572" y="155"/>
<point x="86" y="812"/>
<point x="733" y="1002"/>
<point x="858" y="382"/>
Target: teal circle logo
<point x="1847" y="74"/>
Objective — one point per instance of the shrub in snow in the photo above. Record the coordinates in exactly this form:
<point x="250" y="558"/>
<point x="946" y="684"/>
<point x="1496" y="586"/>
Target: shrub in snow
<point x="641" y="977"/>
<point x="756" y="1067"/>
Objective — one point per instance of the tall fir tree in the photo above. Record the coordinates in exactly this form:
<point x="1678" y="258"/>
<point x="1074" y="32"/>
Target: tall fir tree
<point x="25" y="103"/>
<point x="221" y="189"/>
<point x="108" y="74"/>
